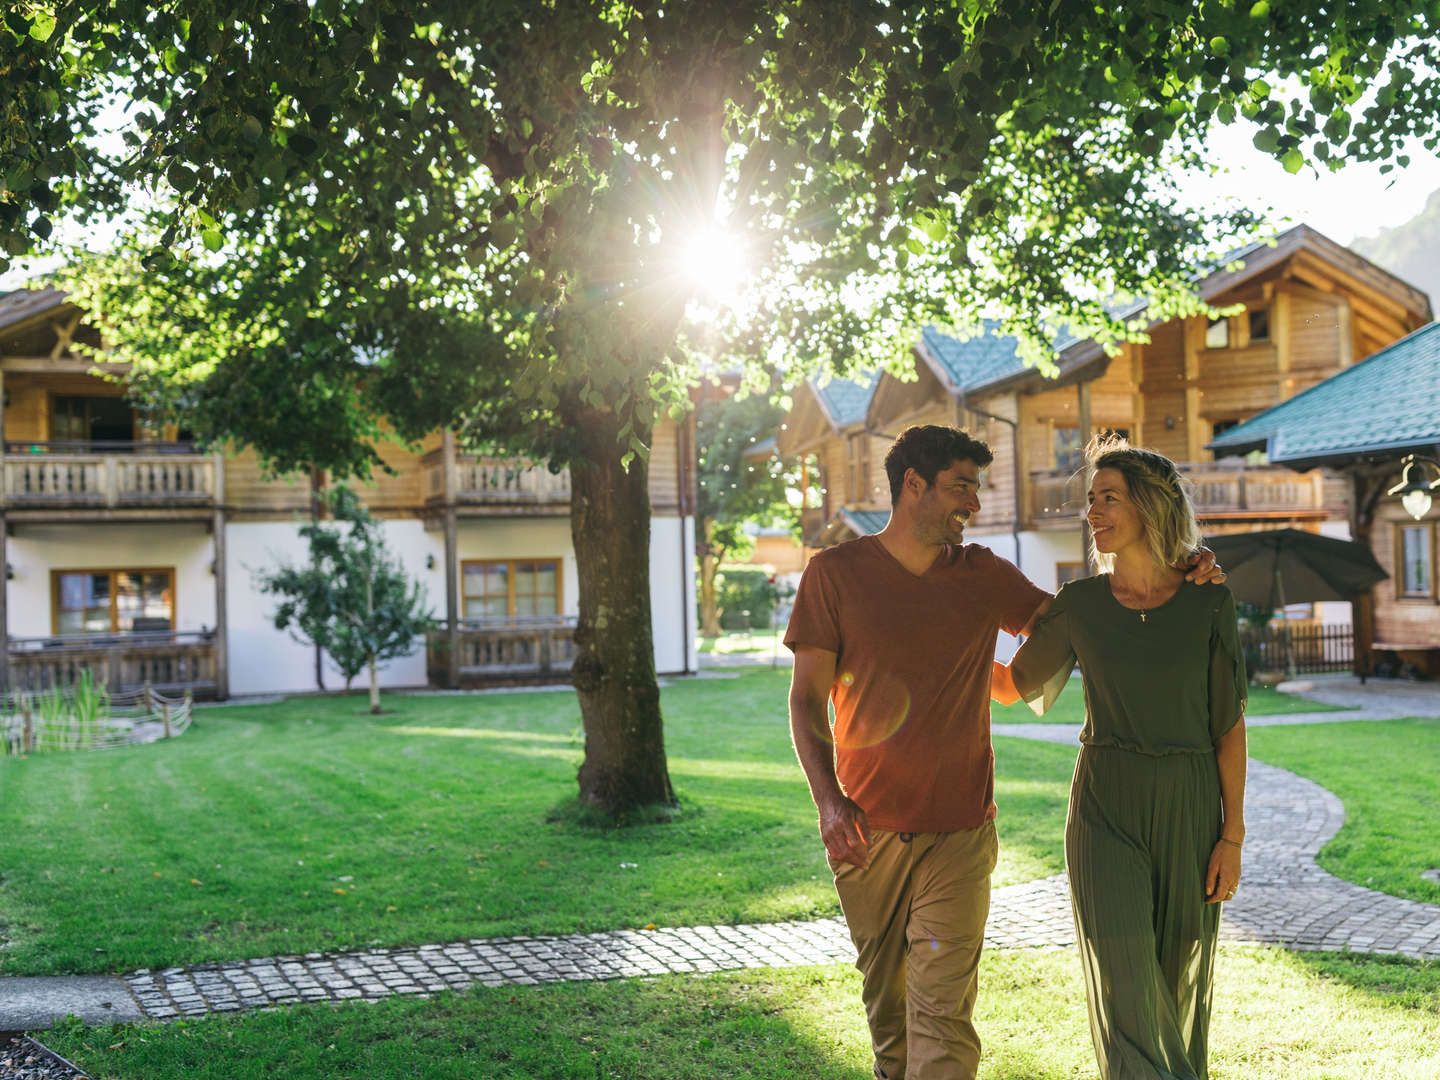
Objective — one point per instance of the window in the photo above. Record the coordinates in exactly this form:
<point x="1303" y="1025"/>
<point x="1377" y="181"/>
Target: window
<point x="110" y="601"/>
<point x="1068" y="454"/>
<point x="497" y="589"/>
<point x="1217" y="334"/>
<point x="1068" y="571"/>
<point x="1417" y="560"/>
<point x="1219" y="427"/>
<point x="1260" y="324"/>
<point x="91" y="419"/>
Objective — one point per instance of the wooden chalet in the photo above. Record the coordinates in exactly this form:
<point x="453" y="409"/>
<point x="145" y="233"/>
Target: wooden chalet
<point x="1307" y="308"/>
<point x="1361" y="424"/>
<point x="130" y="552"/>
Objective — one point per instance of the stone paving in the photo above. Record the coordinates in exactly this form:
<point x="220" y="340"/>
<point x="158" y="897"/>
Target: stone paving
<point x="1285" y="898"/>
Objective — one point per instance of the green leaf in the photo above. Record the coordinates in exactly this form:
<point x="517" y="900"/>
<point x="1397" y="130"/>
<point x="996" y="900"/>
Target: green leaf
<point x="42" y="25"/>
<point x="1267" y="139"/>
<point x="212" y="239"/>
<point x="1293" y="160"/>
<point x="170" y="58"/>
<point x="1260" y="10"/>
<point x="1219" y="46"/>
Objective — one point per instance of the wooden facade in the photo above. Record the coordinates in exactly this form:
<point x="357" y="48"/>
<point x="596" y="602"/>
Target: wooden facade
<point x="1298" y="313"/>
<point x="75" y="454"/>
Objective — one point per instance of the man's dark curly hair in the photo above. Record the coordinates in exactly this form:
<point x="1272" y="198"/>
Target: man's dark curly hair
<point x="928" y="449"/>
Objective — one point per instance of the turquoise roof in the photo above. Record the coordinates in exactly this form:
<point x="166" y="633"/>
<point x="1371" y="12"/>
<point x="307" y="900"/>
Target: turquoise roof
<point x="983" y="359"/>
<point x="1387" y="402"/>
<point x="870" y="521"/>
<point x="845" y="400"/>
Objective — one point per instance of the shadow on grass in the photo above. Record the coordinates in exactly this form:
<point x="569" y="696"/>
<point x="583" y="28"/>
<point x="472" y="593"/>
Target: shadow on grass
<point x="1392" y="981"/>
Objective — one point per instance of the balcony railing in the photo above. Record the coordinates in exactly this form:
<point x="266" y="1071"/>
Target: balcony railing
<point x="495" y="480"/>
<point x="106" y="475"/>
<point x="1220" y="487"/>
<point x="167" y="660"/>
<point x="505" y="648"/>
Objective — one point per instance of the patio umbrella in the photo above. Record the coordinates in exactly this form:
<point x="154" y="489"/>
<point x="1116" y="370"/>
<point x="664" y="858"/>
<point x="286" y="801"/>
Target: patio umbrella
<point x="1279" y="566"/>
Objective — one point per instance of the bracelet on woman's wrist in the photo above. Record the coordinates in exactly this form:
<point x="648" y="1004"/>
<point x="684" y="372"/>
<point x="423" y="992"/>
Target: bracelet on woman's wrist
<point x="1227" y="840"/>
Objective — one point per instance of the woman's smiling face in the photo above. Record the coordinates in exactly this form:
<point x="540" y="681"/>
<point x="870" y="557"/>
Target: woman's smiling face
<point x="1114" y="521"/>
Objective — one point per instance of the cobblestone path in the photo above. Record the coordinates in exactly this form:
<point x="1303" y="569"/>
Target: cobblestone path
<point x="1285" y="899"/>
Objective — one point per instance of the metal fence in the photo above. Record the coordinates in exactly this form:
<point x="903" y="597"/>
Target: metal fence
<point x="1306" y="649"/>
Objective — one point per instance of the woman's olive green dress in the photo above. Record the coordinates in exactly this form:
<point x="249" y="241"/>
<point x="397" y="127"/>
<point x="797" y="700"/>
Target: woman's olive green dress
<point x="1160" y="690"/>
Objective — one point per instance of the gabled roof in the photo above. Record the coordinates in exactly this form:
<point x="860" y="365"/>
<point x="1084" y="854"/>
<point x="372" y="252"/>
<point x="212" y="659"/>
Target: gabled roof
<point x="848" y="520"/>
<point x="987" y="363"/>
<point x="1387" y="404"/>
<point x="965" y="366"/>
<point x="844" y="401"/>
<point x="24" y="304"/>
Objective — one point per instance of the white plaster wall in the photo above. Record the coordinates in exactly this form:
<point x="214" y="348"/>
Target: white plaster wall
<point x="264" y="660"/>
<point x="1335" y="612"/>
<point x="673" y="617"/>
<point x="1041" y="551"/>
<point x="35" y="550"/>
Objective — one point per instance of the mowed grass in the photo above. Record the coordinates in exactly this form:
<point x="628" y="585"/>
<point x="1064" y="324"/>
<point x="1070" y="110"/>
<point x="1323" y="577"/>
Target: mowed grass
<point x="1069" y="707"/>
<point x="1277" y="1017"/>
<point x="1387" y="773"/>
<point x="310" y="826"/>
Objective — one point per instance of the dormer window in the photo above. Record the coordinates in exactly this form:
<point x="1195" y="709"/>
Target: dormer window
<point x="1217" y="334"/>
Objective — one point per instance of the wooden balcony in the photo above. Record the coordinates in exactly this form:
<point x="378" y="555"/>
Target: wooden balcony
<point x="523" y="648"/>
<point x="1227" y="488"/>
<point x="497" y="485"/>
<point x="120" y="479"/>
<point x="166" y="660"/>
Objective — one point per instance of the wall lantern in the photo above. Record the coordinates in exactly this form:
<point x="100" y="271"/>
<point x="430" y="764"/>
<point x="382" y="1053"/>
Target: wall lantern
<point x="429" y="562"/>
<point x="1413" y="491"/>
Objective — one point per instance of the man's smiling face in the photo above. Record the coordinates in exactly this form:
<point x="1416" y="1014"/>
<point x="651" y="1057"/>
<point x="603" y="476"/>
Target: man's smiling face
<point x="947" y="505"/>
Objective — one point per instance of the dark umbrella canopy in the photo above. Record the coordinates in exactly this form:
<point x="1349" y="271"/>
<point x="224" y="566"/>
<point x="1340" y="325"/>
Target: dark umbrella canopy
<point x="1286" y="566"/>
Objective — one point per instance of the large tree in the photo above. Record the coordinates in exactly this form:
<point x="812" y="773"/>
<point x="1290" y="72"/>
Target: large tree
<point x="479" y="213"/>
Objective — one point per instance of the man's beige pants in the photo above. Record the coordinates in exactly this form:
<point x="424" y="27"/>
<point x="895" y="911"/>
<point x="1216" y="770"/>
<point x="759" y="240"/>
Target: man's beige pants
<point x="917" y="917"/>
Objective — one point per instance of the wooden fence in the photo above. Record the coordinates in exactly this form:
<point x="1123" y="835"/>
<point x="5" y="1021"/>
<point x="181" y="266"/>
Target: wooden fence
<point x="1311" y="648"/>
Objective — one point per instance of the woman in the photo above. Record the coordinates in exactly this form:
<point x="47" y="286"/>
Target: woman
<point x="1156" y="822"/>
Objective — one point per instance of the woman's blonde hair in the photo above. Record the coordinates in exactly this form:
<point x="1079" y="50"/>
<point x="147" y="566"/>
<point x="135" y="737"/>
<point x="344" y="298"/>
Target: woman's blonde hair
<point x="1159" y="493"/>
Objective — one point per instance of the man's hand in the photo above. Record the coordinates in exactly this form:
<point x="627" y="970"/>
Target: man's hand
<point x="846" y="831"/>
<point x="1203" y="569"/>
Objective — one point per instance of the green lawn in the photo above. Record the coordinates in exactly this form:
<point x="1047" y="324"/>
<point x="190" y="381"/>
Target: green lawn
<point x="309" y="825"/>
<point x="741" y="641"/>
<point x="1277" y="1017"/>
<point x="1387" y="773"/>
<point x="1069" y="708"/>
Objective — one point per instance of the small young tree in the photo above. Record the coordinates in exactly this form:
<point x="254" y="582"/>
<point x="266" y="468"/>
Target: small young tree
<point x="734" y="490"/>
<point x="353" y="599"/>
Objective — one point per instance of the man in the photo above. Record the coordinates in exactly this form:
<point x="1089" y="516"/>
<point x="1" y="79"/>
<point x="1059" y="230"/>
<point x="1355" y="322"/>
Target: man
<point x="899" y="630"/>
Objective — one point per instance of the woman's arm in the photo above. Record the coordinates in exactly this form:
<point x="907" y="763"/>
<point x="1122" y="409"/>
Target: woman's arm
<point x="1223" y="874"/>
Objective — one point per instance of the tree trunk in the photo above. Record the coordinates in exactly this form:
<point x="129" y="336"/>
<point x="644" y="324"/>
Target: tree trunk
<point x="374" y="686"/>
<point x="614" y="670"/>
<point x="709" y="605"/>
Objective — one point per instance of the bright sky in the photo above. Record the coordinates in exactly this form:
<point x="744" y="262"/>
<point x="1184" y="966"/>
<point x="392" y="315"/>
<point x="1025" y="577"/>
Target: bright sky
<point x="1356" y="201"/>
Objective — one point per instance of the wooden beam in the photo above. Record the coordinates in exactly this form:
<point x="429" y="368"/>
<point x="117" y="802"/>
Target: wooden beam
<point x="69" y="365"/>
<point x="452" y="563"/>
<point x="222" y="636"/>
<point x="1137" y="399"/>
<point x="1082" y="422"/>
<point x="1330" y="278"/>
<point x="1194" y="337"/>
<point x="1280" y="334"/>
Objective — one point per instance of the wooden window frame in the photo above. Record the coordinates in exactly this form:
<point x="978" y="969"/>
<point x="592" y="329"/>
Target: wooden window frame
<point x="1072" y="565"/>
<point x="509" y="564"/>
<point x="1250" y="314"/>
<point x="1400" y="529"/>
<point x="56" y="575"/>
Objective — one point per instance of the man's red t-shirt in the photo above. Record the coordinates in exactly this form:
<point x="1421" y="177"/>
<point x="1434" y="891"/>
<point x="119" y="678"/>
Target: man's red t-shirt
<point x="912" y="675"/>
